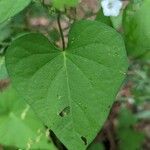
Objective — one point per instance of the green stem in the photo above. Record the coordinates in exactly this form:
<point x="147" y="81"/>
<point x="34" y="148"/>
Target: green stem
<point x="60" y="30"/>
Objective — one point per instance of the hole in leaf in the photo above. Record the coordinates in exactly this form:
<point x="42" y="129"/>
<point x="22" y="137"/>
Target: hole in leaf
<point x="65" y="111"/>
<point x="59" y="97"/>
<point x="84" y="140"/>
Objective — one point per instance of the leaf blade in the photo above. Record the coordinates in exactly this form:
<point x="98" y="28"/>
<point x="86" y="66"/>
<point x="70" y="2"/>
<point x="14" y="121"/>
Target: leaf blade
<point x="72" y="88"/>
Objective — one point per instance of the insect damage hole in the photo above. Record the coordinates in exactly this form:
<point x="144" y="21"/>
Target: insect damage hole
<point x="65" y="111"/>
<point x="84" y="140"/>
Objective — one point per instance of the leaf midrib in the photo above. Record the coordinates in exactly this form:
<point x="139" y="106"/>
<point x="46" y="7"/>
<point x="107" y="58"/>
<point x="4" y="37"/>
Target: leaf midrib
<point x="67" y="80"/>
<point x="69" y="93"/>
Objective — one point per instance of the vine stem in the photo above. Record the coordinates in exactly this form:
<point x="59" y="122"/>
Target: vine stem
<point x="60" y="30"/>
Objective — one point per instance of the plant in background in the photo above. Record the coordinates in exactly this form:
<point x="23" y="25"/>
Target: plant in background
<point x="136" y="29"/>
<point x="126" y="131"/>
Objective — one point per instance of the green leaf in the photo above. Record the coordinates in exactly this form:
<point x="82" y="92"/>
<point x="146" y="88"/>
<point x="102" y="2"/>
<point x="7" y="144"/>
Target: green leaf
<point x="125" y="115"/>
<point x="117" y="21"/>
<point x="9" y="8"/>
<point x="62" y="4"/>
<point x="19" y="127"/>
<point x="5" y="31"/>
<point x="72" y="90"/>
<point x="131" y="138"/>
<point x="136" y="23"/>
<point x="127" y="135"/>
<point x="104" y="19"/>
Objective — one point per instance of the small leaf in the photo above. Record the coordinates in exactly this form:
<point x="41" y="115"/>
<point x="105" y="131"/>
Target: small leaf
<point x="9" y="8"/>
<point x="82" y="81"/>
<point x="117" y="21"/>
<point x="136" y="23"/>
<point x="62" y="4"/>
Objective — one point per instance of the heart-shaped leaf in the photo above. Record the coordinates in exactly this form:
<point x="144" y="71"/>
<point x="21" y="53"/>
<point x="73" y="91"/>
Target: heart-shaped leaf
<point x="72" y="90"/>
<point x="136" y="24"/>
<point x="9" y="8"/>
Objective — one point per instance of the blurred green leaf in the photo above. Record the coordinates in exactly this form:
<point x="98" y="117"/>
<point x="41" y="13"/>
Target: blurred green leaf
<point x="9" y="8"/>
<point x="62" y="4"/>
<point x="126" y="118"/>
<point x="5" y="31"/>
<point x="19" y="126"/>
<point x="117" y="21"/>
<point x="136" y="22"/>
<point x="128" y="137"/>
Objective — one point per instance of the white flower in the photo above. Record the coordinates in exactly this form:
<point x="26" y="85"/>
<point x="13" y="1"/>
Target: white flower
<point x="111" y="7"/>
